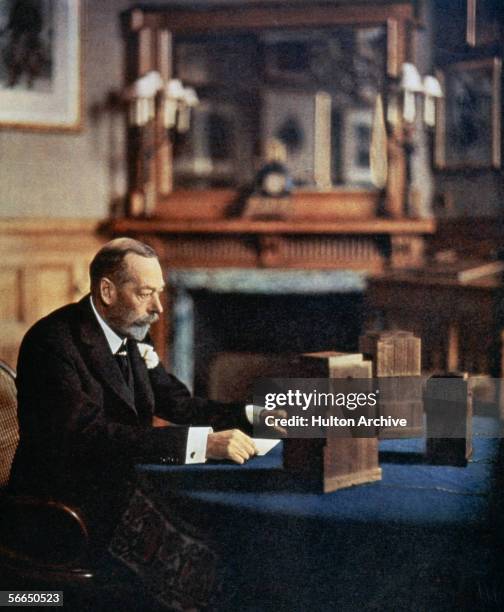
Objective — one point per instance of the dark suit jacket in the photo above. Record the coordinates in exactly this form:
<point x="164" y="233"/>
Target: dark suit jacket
<point x="81" y="430"/>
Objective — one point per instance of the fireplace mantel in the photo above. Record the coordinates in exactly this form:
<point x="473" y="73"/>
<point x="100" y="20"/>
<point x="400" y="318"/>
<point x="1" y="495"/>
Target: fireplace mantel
<point x="369" y="246"/>
<point x="378" y="225"/>
<point x="372" y="245"/>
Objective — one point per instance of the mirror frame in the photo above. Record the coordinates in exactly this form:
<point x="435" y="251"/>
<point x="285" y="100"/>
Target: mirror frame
<point x="149" y="32"/>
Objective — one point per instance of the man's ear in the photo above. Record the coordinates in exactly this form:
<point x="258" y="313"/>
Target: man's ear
<point x="108" y="291"/>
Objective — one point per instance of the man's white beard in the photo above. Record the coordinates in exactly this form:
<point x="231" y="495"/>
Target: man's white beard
<point x="140" y="329"/>
<point x="138" y="332"/>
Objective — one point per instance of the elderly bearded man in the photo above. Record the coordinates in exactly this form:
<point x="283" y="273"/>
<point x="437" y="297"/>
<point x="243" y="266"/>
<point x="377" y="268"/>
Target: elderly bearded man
<point x="89" y="386"/>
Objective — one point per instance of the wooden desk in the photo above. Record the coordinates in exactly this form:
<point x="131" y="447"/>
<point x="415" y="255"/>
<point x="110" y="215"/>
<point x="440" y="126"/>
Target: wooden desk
<point x="458" y="323"/>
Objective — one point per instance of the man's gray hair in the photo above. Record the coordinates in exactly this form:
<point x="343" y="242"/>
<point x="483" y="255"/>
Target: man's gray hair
<point x="109" y="261"/>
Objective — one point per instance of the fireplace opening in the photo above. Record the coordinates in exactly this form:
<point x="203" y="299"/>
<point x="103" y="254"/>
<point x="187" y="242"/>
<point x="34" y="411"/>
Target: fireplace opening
<point x="258" y="325"/>
<point x="227" y="322"/>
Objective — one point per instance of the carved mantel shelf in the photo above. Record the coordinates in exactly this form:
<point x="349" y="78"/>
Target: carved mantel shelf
<point x="372" y="245"/>
<point x="241" y="226"/>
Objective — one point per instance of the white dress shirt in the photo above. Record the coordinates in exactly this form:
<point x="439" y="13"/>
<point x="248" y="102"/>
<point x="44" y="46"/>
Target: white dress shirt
<point x="197" y="436"/>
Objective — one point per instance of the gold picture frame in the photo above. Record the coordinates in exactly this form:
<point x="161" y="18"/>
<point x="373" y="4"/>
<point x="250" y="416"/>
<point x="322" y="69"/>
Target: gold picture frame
<point x="40" y="68"/>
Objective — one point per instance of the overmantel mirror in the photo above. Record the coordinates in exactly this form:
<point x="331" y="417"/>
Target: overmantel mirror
<point x="244" y="86"/>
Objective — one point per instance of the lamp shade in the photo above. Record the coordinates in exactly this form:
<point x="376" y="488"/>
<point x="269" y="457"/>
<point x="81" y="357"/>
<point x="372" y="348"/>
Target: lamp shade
<point x="432" y="87"/>
<point x="175" y="89"/>
<point x="147" y="86"/>
<point x="190" y="96"/>
<point x="410" y="78"/>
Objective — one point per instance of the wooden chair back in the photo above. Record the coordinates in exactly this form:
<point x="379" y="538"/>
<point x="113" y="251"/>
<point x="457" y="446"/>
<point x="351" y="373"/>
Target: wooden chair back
<point x="9" y="429"/>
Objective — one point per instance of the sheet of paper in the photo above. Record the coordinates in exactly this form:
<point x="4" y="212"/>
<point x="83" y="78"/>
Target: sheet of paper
<point x="264" y="445"/>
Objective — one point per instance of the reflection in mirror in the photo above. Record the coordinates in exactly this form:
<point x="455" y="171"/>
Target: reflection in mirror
<point x="312" y="89"/>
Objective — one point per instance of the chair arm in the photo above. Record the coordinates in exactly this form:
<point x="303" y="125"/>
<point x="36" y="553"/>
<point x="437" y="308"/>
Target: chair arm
<point x="46" y="532"/>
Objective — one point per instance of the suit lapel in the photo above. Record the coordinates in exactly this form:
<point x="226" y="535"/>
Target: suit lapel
<point x="101" y="360"/>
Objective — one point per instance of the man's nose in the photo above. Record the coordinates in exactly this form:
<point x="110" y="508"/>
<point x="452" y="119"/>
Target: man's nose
<point x="156" y="305"/>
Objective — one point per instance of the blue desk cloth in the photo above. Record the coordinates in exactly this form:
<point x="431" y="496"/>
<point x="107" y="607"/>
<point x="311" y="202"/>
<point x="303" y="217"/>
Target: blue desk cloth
<point x="423" y="538"/>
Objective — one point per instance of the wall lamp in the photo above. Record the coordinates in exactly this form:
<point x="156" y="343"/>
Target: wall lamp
<point x="412" y="85"/>
<point x="176" y="101"/>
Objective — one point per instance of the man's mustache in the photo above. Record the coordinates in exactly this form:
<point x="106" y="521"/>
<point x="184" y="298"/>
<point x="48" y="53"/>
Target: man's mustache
<point x="146" y="320"/>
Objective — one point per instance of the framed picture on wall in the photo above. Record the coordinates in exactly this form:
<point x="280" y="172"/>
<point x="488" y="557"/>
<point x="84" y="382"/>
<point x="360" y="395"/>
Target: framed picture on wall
<point x="208" y="154"/>
<point x="355" y="145"/>
<point x="302" y="122"/>
<point x="40" y="64"/>
<point x="468" y="130"/>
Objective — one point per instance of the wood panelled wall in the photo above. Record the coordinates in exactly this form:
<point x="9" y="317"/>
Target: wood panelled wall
<point x="43" y="265"/>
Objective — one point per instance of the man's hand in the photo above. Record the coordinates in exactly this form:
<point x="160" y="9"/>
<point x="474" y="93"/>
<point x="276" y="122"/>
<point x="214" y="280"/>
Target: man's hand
<point x="230" y="444"/>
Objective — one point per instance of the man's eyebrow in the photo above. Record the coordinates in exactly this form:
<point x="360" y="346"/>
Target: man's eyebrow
<point x="149" y="288"/>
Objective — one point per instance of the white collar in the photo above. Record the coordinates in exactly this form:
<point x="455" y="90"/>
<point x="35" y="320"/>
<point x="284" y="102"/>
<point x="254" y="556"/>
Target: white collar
<point x="114" y="341"/>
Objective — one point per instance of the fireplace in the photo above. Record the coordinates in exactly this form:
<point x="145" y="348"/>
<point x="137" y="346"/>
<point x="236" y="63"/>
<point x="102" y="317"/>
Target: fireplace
<point x="265" y="270"/>
<point x="259" y="312"/>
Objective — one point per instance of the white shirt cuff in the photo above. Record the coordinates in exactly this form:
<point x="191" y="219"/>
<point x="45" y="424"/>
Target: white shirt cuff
<point x="197" y="444"/>
<point x="249" y="413"/>
<point x="252" y="413"/>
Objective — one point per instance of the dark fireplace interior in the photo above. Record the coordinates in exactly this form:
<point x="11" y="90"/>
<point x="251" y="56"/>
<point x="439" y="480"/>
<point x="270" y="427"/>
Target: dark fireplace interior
<point x="270" y="324"/>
